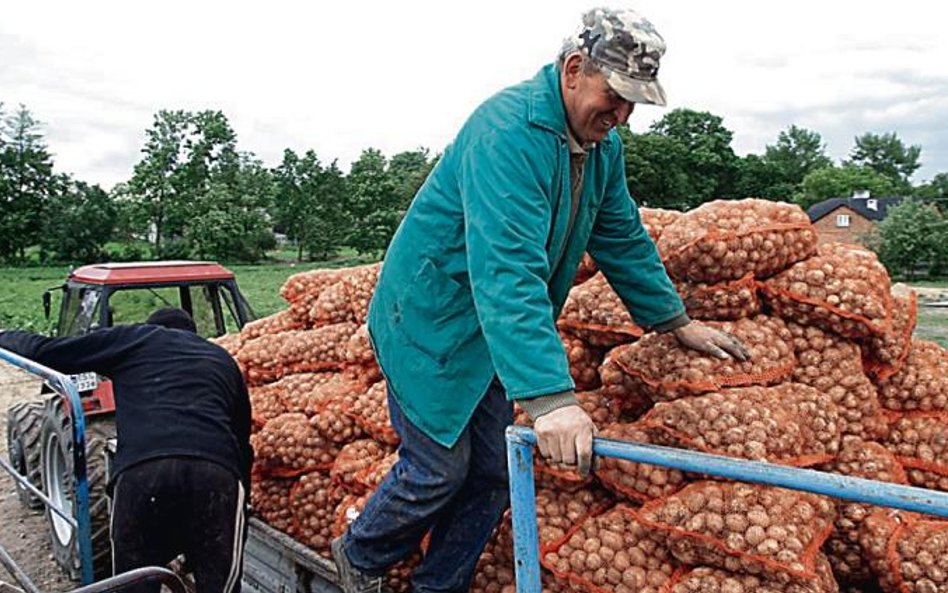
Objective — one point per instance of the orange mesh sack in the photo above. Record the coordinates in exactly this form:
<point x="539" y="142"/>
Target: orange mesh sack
<point x="595" y="313"/>
<point x="719" y="302"/>
<point x="273" y="324"/>
<point x="266" y="403"/>
<point x="495" y="569"/>
<point x="883" y="356"/>
<point x="920" y="443"/>
<point x="706" y="580"/>
<point x="372" y="476"/>
<point x="301" y="290"/>
<point x="348" y="511"/>
<point x="260" y="358"/>
<point x="833" y="366"/>
<point x="626" y="393"/>
<point x="597" y="405"/>
<point x="876" y="535"/>
<point x="611" y="552"/>
<point x="348" y="298"/>
<point x="726" y="240"/>
<point x="300" y="391"/>
<point x="557" y="513"/>
<point x="860" y="459"/>
<point x="370" y="411"/>
<point x="314" y="499"/>
<point x="271" y="502"/>
<point x="584" y="361"/>
<point x="333" y="421"/>
<point x="922" y="382"/>
<point x="289" y="445"/>
<point x="316" y="349"/>
<point x="844" y="289"/>
<point x="656" y="219"/>
<point x="360" y="358"/>
<point x="918" y="556"/>
<point x="587" y="269"/>
<point x="354" y="458"/>
<point x="666" y="370"/>
<point x="633" y="480"/>
<point x="743" y="528"/>
<point x="229" y="342"/>
<point x="558" y="476"/>
<point x="789" y="424"/>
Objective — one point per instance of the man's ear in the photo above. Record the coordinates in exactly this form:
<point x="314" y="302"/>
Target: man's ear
<point x="572" y="69"/>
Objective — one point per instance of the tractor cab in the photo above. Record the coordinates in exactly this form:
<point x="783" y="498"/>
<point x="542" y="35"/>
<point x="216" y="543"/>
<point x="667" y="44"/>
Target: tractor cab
<point x="103" y="295"/>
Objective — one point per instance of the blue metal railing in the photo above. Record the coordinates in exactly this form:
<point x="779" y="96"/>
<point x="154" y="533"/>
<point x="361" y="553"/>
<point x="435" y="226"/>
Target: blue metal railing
<point x="82" y="522"/>
<point x="520" y="442"/>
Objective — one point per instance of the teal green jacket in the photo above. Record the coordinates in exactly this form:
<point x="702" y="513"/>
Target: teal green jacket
<point x="481" y="265"/>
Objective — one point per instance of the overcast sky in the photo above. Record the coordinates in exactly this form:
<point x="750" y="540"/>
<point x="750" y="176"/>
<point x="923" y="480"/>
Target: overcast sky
<point x="341" y="76"/>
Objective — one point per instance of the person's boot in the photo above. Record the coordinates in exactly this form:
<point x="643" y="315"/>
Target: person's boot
<point x="351" y="579"/>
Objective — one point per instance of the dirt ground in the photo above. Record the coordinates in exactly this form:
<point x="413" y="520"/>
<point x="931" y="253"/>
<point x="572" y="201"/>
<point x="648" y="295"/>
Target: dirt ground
<point x="23" y="532"/>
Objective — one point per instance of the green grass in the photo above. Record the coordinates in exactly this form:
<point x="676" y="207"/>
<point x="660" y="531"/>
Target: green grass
<point x="932" y="325"/>
<point x="21" y="288"/>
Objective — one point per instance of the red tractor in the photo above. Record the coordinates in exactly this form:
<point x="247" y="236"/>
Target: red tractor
<point x="39" y="432"/>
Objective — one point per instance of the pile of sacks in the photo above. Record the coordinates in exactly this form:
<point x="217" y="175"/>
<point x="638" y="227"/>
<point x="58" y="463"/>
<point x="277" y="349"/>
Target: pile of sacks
<point x="836" y="382"/>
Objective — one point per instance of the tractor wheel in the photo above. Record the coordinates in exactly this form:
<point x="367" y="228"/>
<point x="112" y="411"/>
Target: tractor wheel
<point x="24" y="421"/>
<point x="59" y="484"/>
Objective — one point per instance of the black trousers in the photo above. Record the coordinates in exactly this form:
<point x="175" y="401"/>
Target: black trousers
<point x="180" y="505"/>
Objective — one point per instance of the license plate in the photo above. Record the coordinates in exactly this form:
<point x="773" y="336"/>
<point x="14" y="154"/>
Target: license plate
<point x="85" y="381"/>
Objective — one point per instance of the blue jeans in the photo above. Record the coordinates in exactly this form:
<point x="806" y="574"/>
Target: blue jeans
<point x="457" y="493"/>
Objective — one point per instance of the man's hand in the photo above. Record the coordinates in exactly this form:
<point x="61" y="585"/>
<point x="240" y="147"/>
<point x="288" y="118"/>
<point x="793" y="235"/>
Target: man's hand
<point x="565" y="436"/>
<point x="702" y="338"/>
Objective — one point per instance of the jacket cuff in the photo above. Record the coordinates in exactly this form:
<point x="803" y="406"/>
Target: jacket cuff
<point x="538" y="406"/>
<point x="672" y="324"/>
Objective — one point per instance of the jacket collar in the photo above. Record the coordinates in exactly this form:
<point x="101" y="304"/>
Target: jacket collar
<point x="546" y="108"/>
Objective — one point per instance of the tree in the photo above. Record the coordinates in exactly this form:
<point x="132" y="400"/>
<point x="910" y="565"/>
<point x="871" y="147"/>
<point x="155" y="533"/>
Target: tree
<point x="841" y="182"/>
<point x="913" y="234"/>
<point x="935" y="190"/>
<point x="26" y="181"/>
<point x="797" y="153"/>
<point x="371" y="203"/>
<point x="887" y="155"/>
<point x="408" y="171"/>
<point x="80" y="220"/>
<point x="656" y="170"/>
<point x="757" y="177"/>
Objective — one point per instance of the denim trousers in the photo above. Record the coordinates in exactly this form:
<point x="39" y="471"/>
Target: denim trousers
<point x="458" y="494"/>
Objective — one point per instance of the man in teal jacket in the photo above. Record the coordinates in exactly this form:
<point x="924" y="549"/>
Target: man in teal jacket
<point x="463" y="316"/>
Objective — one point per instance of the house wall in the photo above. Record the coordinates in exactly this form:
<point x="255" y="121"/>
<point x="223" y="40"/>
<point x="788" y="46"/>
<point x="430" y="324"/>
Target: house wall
<point x="828" y="232"/>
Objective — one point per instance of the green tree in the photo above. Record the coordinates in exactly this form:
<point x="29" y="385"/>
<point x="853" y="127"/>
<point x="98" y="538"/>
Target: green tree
<point x="887" y="155"/>
<point x="841" y="182"/>
<point x="80" y="220"/>
<point x="757" y="177"/>
<point x="797" y="153"/>
<point x="408" y="171"/>
<point x="26" y="183"/>
<point x="371" y="203"/>
<point x="935" y="190"/>
<point x="656" y="170"/>
<point x="914" y="234"/>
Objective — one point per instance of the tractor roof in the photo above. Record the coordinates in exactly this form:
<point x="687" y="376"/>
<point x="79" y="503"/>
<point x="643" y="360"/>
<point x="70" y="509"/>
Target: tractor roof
<point x="150" y="272"/>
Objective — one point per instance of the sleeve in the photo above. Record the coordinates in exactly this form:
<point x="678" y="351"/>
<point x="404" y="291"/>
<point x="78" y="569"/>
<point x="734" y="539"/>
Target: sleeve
<point x="241" y="423"/>
<point x="101" y="351"/>
<point x="507" y="215"/>
<point x="627" y="256"/>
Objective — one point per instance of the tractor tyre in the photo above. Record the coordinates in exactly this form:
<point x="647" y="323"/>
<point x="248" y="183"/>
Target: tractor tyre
<point x="24" y="422"/>
<point x="59" y="485"/>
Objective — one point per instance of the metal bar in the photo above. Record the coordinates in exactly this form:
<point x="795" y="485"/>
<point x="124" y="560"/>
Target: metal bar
<point x="65" y="387"/>
<point x="22" y="481"/>
<point x="523" y="507"/>
<point x="21" y="577"/>
<point x="136" y="577"/>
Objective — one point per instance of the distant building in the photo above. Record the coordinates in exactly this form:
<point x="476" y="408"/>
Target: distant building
<point x="849" y="220"/>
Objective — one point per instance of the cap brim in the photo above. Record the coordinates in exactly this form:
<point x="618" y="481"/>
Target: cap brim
<point x="634" y="90"/>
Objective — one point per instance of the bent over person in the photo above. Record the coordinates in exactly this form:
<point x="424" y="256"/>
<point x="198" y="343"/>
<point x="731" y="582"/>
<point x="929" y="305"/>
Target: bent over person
<point x="182" y="468"/>
<point x="463" y="316"/>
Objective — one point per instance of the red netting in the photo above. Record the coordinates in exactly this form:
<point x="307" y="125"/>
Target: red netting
<point x="270" y="498"/>
<point x="317" y="349"/>
<point x="370" y="411"/>
<point x="558" y="476"/>
<point x="708" y="580"/>
<point x="726" y="240"/>
<point x="667" y="370"/>
<point x="627" y="394"/>
<point x="273" y="324"/>
<point x="875" y="535"/>
<point x="301" y="290"/>
<point x="656" y="220"/>
<point x="495" y="570"/>
<point x="360" y="359"/>
<point x="921" y="384"/>
<point x="332" y="420"/>
<point x="861" y="459"/>
<point x="584" y="361"/>
<point x="844" y="290"/>
<point x="918" y="556"/>
<point x="348" y="298"/>
<point x="637" y="481"/>
<point x="266" y="403"/>
<point x="348" y="511"/>
<point x="791" y="424"/>
<point x="289" y="445"/>
<point x="595" y="313"/>
<point x="883" y="356"/>
<point x="743" y="528"/>
<point x="355" y="458"/>
<point x="314" y="499"/>
<point x="372" y="476"/>
<point x="720" y="302"/>
<point x="920" y="443"/>
<point x="833" y="366"/>
<point x="299" y="391"/>
<point x="230" y="342"/>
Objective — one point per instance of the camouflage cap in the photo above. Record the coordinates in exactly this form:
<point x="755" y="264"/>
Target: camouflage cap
<point x="628" y="48"/>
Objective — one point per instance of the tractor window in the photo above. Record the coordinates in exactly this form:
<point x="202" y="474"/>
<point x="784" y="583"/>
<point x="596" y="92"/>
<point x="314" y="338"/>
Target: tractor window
<point x="134" y="305"/>
<point x="202" y="310"/>
<point x="80" y="309"/>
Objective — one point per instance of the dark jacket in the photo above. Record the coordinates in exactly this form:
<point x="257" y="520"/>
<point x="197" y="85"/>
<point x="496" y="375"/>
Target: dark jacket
<point x="176" y="394"/>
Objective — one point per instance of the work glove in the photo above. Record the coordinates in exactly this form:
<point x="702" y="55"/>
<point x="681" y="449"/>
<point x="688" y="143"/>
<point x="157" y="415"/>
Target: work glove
<point x="719" y="344"/>
<point x="565" y="436"/>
